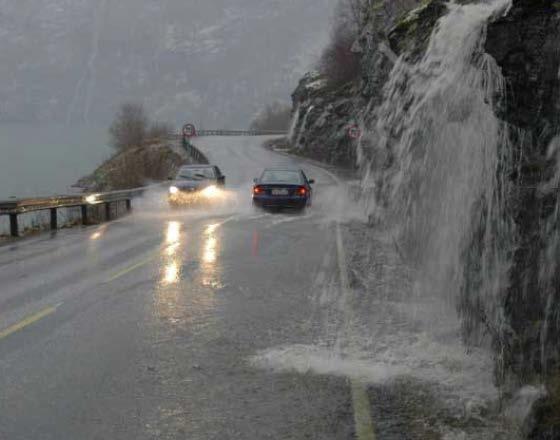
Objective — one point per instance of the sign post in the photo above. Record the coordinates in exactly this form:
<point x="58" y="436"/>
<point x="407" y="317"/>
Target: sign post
<point x="354" y="132"/>
<point x="189" y="131"/>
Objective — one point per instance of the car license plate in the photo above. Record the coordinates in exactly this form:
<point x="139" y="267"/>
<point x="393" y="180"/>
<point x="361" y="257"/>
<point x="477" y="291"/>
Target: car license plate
<point x="279" y="192"/>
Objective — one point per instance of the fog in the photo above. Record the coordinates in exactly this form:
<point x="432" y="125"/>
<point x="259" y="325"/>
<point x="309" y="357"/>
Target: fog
<point x="214" y="62"/>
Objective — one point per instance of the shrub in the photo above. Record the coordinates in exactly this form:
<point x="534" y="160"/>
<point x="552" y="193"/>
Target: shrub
<point x="159" y="132"/>
<point x="338" y="62"/>
<point x="137" y="166"/>
<point x="275" y="117"/>
<point x="129" y="128"/>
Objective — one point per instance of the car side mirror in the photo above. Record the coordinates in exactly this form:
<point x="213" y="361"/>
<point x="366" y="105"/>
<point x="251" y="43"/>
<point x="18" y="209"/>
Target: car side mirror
<point x="311" y="181"/>
<point x="255" y="180"/>
<point x="222" y="179"/>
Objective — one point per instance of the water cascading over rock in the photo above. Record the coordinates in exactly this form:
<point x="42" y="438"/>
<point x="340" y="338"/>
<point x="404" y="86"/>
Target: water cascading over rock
<point x="462" y="154"/>
<point x="438" y="157"/>
<point x="460" y="108"/>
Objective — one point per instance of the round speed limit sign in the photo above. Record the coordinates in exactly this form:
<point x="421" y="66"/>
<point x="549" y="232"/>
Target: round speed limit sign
<point x="189" y="130"/>
<point x="354" y="132"/>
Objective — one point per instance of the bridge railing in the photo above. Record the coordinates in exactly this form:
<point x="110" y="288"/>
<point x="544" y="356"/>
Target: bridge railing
<point x="13" y="208"/>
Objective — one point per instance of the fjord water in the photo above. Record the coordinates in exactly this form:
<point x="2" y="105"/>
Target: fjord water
<point x="40" y="160"/>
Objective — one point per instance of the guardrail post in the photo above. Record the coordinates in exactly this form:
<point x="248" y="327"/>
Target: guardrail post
<point x="128" y="205"/>
<point x="108" y="211"/>
<point x="85" y="219"/>
<point x="54" y="219"/>
<point x="14" y="230"/>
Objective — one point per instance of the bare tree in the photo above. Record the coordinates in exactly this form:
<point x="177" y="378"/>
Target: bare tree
<point x="129" y="127"/>
<point x="338" y="62"/>
<point x="159" y="132"/>
<point x="274" y="117"/>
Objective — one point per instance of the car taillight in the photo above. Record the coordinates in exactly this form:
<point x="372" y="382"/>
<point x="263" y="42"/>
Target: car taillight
<point x="302" y="191"/>
<point x="257" y="190"/>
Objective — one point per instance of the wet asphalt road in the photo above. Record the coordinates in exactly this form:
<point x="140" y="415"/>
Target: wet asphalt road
<point x="145" y="328"/>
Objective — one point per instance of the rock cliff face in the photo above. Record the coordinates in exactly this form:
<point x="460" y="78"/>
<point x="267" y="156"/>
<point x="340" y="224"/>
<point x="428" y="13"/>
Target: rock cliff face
<point x="323" y="112"/>
<point x="461" y="137"/>
<point x="526" y="46"/>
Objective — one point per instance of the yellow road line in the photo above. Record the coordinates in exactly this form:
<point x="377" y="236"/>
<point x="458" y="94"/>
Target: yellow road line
<point x="27" y="322"/>
<point x="365" y="429"/>
<point x="138" y="265"/>
<point x="131" y="268"/>
<point x="362" y="412"/>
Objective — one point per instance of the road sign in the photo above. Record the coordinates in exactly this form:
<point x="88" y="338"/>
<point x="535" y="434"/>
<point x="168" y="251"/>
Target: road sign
<point x="189" y="130"/>
<point x="354" y="132"/>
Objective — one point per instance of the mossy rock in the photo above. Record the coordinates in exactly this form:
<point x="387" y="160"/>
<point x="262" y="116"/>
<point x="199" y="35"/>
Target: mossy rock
<point x="545" y="415"/>
<point x="412" y="33"/>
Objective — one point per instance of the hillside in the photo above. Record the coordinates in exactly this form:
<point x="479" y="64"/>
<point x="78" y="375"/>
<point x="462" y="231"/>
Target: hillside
<point x="212" y="61"/>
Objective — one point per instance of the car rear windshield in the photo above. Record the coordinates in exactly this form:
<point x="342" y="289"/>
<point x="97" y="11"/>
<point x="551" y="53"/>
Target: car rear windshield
<point x="281" y="176"/>
<point x="196" y="173"/>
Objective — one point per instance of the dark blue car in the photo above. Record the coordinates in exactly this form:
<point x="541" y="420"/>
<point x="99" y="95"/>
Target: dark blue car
<point x="282" y="188"/>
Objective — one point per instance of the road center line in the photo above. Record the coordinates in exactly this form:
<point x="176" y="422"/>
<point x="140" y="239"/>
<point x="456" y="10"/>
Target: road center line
<point x="28" y="321"/>
<point x="132" y="268"/>
<point x="362" y="409"/>
<point x="154" y="255"/>
<point x="365" y="428"/>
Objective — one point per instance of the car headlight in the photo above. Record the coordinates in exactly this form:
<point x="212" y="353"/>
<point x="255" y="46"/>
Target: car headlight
<point x="210" y="191"/>
<point x="92" y="199"/>
<point x="173" y="190"/>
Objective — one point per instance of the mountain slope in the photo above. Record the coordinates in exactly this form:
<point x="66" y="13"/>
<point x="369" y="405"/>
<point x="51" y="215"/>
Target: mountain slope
<point x="211" y="61"/>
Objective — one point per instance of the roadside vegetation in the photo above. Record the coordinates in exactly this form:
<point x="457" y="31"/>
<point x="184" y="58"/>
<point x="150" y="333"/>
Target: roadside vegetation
<point x="340" y="62"/>
<point x="274" y="117"/>
<point x="143" y="152"/>
<point x="132" y="128"/>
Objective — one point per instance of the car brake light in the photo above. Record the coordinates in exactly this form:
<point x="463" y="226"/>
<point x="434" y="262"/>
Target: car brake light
<point x="257" y="190"/>
<point x="302" y="191"/>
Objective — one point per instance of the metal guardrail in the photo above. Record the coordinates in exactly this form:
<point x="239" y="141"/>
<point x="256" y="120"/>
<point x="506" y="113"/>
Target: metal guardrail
<point x="14" y="208"/>
<point x="204" y="133"/>
<point x="195" y="153"/>
<point x="238" y="133"/>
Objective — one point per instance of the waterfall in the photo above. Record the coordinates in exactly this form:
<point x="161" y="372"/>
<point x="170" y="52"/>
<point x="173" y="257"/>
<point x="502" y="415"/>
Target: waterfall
<point x="438" y="163"/>
<point x="293" y="124"/>
<point x="303" y="126"/>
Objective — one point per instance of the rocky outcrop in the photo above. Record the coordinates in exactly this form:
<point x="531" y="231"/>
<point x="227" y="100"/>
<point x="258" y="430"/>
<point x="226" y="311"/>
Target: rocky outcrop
<point x="523" y="44"/>
<point x="526" y="46"/>
<point x="324" y="112"/>
<point x="134" y="168"/>
<point x="322" y="117"/>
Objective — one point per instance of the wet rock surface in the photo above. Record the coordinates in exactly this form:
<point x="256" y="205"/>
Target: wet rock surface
<point x="522" y="320"/>
<point x="526" y="46"/>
